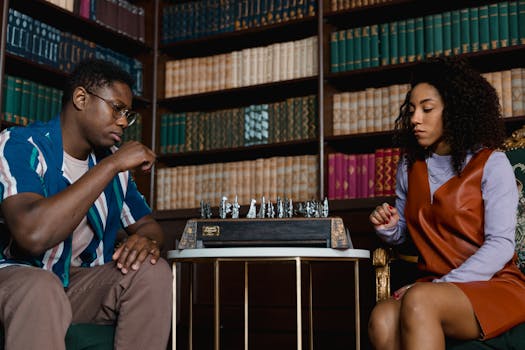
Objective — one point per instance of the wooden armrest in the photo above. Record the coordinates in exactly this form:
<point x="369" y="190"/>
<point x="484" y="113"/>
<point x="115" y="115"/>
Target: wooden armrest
<point x="381" y="261"/>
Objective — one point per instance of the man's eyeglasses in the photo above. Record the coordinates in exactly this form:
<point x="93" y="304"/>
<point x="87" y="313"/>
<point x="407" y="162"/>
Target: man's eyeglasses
<point x="119" y="112"/>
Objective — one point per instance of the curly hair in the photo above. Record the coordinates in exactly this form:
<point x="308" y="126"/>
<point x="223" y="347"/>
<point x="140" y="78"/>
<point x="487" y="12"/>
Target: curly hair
<point x="471" y="114"/>
<point x="92" y="74"/>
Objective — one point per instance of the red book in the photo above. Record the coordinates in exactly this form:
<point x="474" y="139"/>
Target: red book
<point x="364" y="175"/>
<point x="395" y="162"/>
<point x="84" y="8"/>
<point x="352" y="176"/>
<point x="379" y="172"/>
<point x="345" y="176"/>
<point x="331" y="176"/>
<point x="338" y="176"/>
<point x="388" y="172"/>
<point x="371" y="174"/>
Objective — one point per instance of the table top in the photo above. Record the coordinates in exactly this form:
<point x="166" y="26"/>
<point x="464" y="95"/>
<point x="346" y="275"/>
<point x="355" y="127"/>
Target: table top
<point x="269" y="252"/>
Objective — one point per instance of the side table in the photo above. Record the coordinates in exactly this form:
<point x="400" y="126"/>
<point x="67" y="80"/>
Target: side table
<point x="248" y="255"/>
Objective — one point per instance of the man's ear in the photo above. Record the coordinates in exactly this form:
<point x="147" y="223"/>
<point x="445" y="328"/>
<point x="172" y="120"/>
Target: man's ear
<point x="79" y="98"/>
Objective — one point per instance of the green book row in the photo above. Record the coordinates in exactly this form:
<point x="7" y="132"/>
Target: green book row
<point x="291" y="119"/>
<point x="25" y="101"/>
<point x="133" y="132"/>
<point x="455" y="32"/>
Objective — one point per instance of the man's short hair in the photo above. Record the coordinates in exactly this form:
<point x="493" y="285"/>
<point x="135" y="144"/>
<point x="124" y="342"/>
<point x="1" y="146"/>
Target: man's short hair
<point x="95" y="73"/>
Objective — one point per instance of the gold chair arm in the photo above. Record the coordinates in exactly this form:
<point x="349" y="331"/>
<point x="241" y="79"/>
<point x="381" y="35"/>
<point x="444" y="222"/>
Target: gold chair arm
<point x="381" y="261"/>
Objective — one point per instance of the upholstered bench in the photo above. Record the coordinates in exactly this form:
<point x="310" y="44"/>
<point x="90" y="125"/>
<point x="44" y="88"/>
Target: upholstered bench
<point x="84" y="337"/>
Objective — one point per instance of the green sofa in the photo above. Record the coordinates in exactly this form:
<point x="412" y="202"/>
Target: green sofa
<point x="84" y="337"/>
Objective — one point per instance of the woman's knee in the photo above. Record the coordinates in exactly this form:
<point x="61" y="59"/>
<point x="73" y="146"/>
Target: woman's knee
<point x="383" y="322"/>
<point x="416" y="304"/>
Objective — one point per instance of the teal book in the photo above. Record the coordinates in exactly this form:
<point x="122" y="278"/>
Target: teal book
<point x="438" y="34"/>
<point x="474" y="29"/>
<point x="447" y="33"/>
<point x="18" y="100"/>
<point x="24" y="102"/>
<point x="182" y="132"/>
<point x="358" y="53"/>
<point x="513" y="23"/>
<point x="465" y="30"/>
<point x="10" y="102"/>
<point x="365" y="46"/>
<point x="429" y="36"/>
<point x="494" y="26"/>
<point x="163" y="132"/>
<point x="521" y="21"/>
<point x="334" y="52"/>
<point x="394" y="43"/>
<point x="40" y="104"/>
<point x="456" y="32"/>
<point x="420" y="38"/>
<point x="56" y="103"/>
<point x="349" y="49"/>
<point x="33" y="101"/>
<point x="402" y="41"/>
<point x="503" y="14"/>
<point x="342" y="50"/>
<point x="484" y="28"/>
<point x="384" y="43"/>
<point x="374" y="45"/>
<point x="411" y="39"/>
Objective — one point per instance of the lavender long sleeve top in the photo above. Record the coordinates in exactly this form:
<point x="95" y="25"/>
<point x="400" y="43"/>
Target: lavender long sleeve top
<point x="500" y="196"/>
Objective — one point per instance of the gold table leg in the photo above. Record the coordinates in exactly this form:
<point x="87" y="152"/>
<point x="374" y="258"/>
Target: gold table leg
<point x="216" y="306"/>
<point x="298" y="300"/>
<point x="245" y="305"/>
<point x="357" y="311"/>
<point x="310" y="308"/>
<point x="174" y="309"/>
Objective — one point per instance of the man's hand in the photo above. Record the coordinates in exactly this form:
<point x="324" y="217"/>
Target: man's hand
<point x="131" y="155"/>
<point x="134" y="251"/>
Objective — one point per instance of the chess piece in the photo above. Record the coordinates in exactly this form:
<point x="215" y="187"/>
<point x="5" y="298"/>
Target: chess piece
<point x="324" y="211"/>
<point x="280" y="208"/>
<point x="270" y="210"/>
<point x="235" y="209"/>
<point x="289" y="208"/>
<point x="262" y="209"/>
<point x="252" y="211"/>
<point x="224" y="207"/>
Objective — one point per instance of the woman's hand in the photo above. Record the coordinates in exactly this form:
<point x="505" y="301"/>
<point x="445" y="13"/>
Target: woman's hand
<point x="384" y="216"/>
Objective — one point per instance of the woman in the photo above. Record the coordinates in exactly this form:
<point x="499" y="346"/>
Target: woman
<point x="456" y="197"/>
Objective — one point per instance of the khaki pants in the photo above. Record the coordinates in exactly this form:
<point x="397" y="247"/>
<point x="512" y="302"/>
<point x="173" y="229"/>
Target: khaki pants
<point x="36" y="311"/>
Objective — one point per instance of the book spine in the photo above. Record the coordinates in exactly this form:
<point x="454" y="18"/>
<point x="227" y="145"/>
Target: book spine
<point x="503" y="14"/>
<point x="494" y="26"/>
<point x="419" y="38"/>
<point x="475" y="43"/>
<point x="456" y="32"/>
<point x="447" y="33"/>
<point x="513" y="23"/>
<point x="384" y="43"/>
<point x="358" y="53"/>
<point x="465" y="30"/>
<point x="402" y="41"/>
<point x="393" y="39"/>
<point x="484" y="28"/>
<point x="429" y="35"/>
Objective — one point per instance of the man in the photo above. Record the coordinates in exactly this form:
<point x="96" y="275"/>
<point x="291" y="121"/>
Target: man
<point x="66" y="190"/>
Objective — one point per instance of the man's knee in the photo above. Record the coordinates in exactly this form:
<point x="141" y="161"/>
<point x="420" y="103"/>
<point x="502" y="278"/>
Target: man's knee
<point x="158" y="274"/>
<point x="41" y="291"/>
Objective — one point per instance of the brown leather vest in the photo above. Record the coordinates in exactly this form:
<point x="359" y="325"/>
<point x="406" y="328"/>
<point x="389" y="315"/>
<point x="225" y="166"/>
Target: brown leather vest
<point x="451" y="228"/>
